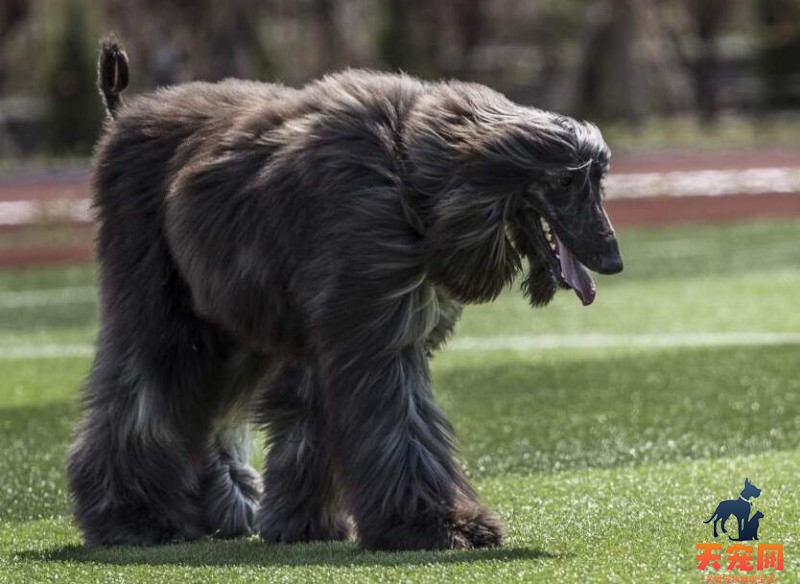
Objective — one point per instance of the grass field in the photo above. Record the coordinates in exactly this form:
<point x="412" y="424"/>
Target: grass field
<point x="603" y="436"/>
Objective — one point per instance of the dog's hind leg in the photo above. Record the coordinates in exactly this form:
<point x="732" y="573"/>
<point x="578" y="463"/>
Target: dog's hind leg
<point x="134" y="467"/>
<point x="230" y="486"/>
<point x="130" y="467"/>
<point x="301" y="500"/>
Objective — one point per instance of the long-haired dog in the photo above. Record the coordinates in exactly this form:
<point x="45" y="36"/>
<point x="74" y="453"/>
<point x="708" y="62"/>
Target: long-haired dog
<point x="293" y="257"/>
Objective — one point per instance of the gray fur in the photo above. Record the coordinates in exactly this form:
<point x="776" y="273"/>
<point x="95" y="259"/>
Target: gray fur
<point x="297" y="255"/>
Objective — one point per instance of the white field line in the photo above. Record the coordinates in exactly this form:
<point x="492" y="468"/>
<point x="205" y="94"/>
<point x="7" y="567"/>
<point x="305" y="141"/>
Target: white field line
<point x="698" y="183"/>
<point x="501" y="343"/>
<point x="33" y="298"/>
<point x="45" y="351"/>
<point x="604" y="341"/>
<point x="712" y="183"/>
<point x="32" y="212"/>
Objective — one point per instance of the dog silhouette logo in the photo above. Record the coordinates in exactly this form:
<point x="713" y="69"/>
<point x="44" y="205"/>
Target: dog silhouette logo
<point x="739" y="554"/>
<point x="739" y="508"/>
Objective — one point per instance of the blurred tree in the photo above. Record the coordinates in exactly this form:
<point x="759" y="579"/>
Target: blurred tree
<point x="779" y="54"/>
<point x="13" y="13"/>
<point x="399" y="40"/>
<point x="332" y="47"/>
<point x="604" y="59"/>
<point x="470" y="20"/>
<point x="607" y="73"/>
<point x="431" y="39"/>
<point x="460" y="30"/>
<point x="695" y="31"/>
<point x="619" y="37"/>
<point x="75" y="112"/>
<point x="192" y="39"/>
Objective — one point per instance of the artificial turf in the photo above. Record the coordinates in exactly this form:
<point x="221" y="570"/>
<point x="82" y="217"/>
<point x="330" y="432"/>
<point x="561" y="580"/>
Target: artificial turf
<point x="602" y="461"/>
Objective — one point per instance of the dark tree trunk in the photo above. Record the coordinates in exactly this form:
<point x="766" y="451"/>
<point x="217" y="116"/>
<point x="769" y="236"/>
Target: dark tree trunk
<point x="607" y="74"/>
<point x="708" y="17"/>
<point x="331" y="47"/>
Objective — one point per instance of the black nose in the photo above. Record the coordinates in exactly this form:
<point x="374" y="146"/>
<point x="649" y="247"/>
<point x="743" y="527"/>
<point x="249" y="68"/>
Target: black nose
<point x="610" y="264"/>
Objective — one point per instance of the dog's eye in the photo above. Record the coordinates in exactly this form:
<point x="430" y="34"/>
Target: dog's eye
<point x="566" y="180"/>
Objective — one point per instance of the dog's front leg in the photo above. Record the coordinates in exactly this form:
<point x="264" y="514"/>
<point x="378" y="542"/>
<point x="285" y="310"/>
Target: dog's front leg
<point x="394" y="452"/>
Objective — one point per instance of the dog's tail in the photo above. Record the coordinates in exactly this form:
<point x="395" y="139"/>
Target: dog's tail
<point x="710" y="518"/>
<point x="112" y="73"/>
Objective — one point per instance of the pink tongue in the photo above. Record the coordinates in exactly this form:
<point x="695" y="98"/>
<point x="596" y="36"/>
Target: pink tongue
<point x="576" y="275"/>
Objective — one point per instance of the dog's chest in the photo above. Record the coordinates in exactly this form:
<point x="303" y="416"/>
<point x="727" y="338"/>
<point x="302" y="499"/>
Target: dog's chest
<point x="444" y="318"/>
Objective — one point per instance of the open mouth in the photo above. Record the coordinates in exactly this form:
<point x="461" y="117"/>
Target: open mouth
<point x="565" y="268"/>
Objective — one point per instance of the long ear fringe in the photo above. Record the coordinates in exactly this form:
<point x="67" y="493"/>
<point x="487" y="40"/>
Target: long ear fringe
<point x="467" y="249"/>
<point x="538" y="286"/>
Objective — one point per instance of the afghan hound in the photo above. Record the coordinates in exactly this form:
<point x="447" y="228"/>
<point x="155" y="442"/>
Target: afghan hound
<point x="292" y="258"/>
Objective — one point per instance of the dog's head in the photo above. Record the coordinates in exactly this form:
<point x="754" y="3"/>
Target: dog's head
<point x="750" y="490"/>
<point x="505" y="182"/>
<point x="559" y="223"/>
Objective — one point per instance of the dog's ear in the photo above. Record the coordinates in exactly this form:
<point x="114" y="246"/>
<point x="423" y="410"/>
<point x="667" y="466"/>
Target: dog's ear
<point x="746" y="483"/>
<point x="467" y="250"/>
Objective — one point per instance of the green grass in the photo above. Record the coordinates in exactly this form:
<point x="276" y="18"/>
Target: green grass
<point x="686" y="133"/>
<point x="44" y="234"/>
<point x="603" y="462"/>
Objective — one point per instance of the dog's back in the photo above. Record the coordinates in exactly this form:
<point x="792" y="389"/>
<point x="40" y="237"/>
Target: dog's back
<point x="180" y="165"/>
<point x="737" y="507"/>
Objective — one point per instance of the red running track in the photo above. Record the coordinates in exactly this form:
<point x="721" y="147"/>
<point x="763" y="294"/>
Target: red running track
<point x="73" y="184"/>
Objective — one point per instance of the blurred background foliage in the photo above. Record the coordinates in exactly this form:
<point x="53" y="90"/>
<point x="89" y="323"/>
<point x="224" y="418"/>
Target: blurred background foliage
<point x="724" y="68"/>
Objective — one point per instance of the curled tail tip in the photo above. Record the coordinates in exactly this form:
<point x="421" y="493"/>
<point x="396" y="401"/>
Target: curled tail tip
<point x="112" y="65"/>
<point x="110" y="43"/>
<point x="112" y="73"/>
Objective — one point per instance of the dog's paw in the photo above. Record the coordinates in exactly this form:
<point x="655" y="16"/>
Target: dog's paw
<point x="230" y="499"/>
<point x="475" y="527"/>
<point x="138" y="529"/>
<point x="275" y="530"/>
<point x="466" y="527"/>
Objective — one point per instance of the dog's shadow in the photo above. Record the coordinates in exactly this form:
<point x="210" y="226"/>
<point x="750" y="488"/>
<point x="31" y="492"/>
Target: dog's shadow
<point x="254" y="553"/>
